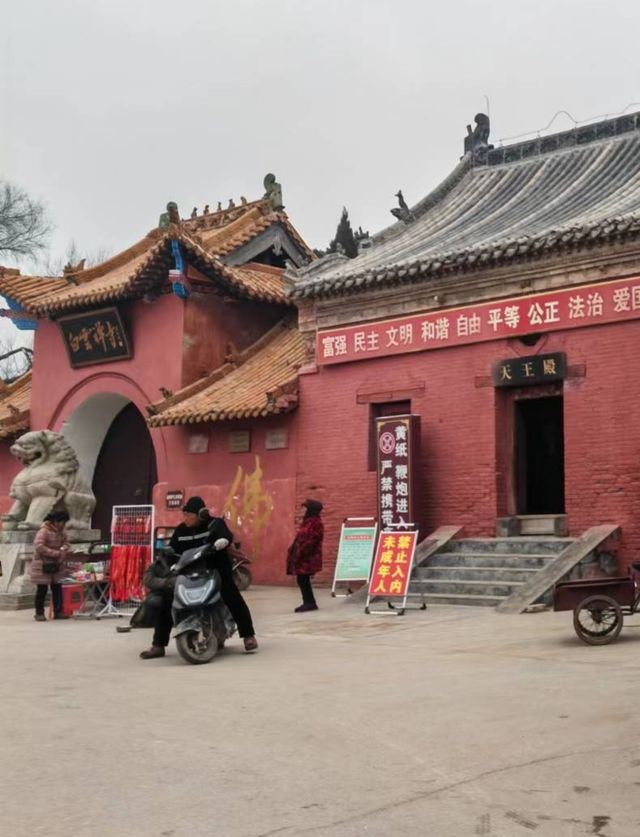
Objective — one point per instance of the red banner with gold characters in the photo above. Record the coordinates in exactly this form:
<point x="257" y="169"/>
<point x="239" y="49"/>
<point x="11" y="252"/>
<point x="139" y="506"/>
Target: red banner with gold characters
<point x="392" y="564"/>
<point x="584" y="305"/>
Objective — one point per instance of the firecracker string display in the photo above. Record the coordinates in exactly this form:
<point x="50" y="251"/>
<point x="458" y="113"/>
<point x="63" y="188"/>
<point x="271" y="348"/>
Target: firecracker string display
<point x="131" y="551"/>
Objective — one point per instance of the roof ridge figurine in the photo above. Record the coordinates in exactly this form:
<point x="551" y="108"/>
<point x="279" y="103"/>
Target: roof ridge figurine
<point x="477" y="140"/>
<point x="273" y="192"/>
<point x="171" y="216"/>
<point x="402" y="212"/>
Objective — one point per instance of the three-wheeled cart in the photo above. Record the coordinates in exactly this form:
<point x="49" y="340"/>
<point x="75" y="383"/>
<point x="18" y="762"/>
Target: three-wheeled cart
<point x="599" y="605"/>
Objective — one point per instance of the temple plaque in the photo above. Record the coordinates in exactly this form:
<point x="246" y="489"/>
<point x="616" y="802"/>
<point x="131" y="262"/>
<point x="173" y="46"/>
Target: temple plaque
<point x="239" y="441"/>
<point x="527" y="371"/>
<point x="95" y="337"/>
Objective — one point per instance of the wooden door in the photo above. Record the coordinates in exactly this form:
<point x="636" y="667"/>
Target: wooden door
<point x="126" y="468"/>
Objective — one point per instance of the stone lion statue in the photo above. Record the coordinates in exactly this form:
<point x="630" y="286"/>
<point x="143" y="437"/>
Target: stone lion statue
<point x="49" y="481"/>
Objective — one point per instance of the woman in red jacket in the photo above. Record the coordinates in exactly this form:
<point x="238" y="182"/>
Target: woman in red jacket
<point x="51" y="547"/>
<point x="305" y="553"/>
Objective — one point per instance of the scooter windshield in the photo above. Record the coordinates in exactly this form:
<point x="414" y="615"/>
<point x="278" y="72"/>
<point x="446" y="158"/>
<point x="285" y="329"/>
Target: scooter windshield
<point x="189" y="556"/>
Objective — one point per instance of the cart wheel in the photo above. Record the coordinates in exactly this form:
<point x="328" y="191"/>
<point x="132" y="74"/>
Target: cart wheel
<point x="597" y="620"/>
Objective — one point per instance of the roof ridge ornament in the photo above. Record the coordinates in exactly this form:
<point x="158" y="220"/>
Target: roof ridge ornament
<point x="273" y="192"/>
<point x="402" y="212"/>
<point x="171" y="216"/>
<point x="476" y="142"/>
<point x="69" y="271"/>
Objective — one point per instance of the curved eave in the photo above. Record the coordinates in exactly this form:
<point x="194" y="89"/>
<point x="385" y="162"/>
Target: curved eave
<point x="91" y="300"/>
<point x="147" y="274"/>
<point x="10" y="430"/>
<point x="150" y="273"/>
<point x="516" y="251"/>
<point x="230" y="277"/>
<point x="230" y="415"/>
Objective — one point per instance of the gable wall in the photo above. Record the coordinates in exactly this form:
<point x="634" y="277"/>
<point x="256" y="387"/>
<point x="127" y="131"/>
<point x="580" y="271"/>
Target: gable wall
<point x="211" y="322"/>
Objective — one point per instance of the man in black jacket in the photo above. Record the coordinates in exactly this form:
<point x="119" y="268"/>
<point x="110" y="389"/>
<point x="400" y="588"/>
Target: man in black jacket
<point x="193" y="532"/>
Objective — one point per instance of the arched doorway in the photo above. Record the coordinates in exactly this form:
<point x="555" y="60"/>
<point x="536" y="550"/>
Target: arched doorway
<point x="116" y="454"/>
<point x="125" y="471"/>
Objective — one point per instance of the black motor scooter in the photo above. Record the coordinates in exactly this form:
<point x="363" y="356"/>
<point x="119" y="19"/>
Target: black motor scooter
<point x="202" y="622"/>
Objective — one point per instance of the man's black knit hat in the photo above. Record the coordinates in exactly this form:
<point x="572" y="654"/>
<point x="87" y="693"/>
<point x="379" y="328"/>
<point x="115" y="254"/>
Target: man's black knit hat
<point x="193" y="505"/>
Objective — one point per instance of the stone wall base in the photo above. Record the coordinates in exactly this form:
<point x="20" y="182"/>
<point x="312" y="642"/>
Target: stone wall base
<point x="16" y="551"/>
<point x="17" y="601"/>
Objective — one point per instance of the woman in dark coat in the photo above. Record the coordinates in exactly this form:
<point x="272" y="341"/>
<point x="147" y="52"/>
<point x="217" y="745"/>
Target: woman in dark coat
<point x="305" y="553"/>
<point x="51" y="547"/>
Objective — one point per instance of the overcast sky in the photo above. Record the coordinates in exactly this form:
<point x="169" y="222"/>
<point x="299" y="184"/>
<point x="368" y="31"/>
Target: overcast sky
<point x="110" y="108"/>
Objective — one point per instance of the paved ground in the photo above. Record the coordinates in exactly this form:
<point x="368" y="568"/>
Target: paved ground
<point x="447" y="723"/>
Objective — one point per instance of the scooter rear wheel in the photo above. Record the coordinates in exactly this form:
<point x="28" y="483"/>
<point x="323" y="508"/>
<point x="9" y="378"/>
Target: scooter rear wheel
<point x="195" y="647"/>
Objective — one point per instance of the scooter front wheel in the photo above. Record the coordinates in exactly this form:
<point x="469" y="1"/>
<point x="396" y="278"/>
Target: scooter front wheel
<point x="195" y="647"/>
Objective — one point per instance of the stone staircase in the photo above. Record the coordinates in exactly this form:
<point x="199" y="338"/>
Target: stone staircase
<point x="484" y="571"/>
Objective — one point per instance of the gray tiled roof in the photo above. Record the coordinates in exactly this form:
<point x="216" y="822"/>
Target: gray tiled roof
<point x="584" y="190"/>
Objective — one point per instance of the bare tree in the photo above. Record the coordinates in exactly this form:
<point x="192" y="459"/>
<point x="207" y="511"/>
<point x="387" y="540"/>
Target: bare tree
<point x="15" y="357"/>
<point x="24" y="226"/>
<point x="52" y="265"/>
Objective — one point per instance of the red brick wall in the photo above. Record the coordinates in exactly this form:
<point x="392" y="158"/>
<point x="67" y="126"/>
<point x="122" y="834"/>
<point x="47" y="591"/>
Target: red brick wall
<point x="460" y="442"/>
<point x="602" y="432"/>
<point x="263" y="500"/>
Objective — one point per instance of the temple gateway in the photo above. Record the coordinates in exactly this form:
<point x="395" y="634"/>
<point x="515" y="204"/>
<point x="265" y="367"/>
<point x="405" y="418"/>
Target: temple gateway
<point x="218" y="356"/>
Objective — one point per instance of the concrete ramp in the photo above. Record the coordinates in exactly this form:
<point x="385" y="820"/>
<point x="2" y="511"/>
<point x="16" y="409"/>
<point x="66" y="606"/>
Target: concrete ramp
<point x="435" y="541"/>
<point x="555" y="570"/>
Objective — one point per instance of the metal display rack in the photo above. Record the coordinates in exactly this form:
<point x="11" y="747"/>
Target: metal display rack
<point x="131" y="527"/>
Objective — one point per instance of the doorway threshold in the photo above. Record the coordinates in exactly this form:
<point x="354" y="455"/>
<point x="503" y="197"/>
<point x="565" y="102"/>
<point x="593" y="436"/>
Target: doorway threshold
<point x="532" y="524"/>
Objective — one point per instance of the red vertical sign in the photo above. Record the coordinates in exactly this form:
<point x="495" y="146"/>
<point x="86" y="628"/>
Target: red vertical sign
<point x="391" y="572"/>
<point x="397" y="444"/>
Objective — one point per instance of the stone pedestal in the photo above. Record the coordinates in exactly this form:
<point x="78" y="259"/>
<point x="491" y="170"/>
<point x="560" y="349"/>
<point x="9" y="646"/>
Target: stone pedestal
<point x="16" y="552"/>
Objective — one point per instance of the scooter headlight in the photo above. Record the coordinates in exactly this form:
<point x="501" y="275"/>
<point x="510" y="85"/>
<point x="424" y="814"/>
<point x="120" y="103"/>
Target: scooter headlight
<point x="190" y="596"/>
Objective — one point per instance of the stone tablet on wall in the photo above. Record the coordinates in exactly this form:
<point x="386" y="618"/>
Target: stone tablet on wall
<point x="239" y="441"/>
<point x="276" y="439"/>
<point x="198" y="443"/>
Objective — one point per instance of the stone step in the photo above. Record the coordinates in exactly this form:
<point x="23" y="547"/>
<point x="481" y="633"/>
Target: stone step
<point x="489" y="559"/>
<point x="461" y="599"/>
<point x="542" y="524"/>
<point x="467" y="588"/>
<point x="498" y="574"/>
<point x="506" y="546"/>
<point x="485" y="571"/>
